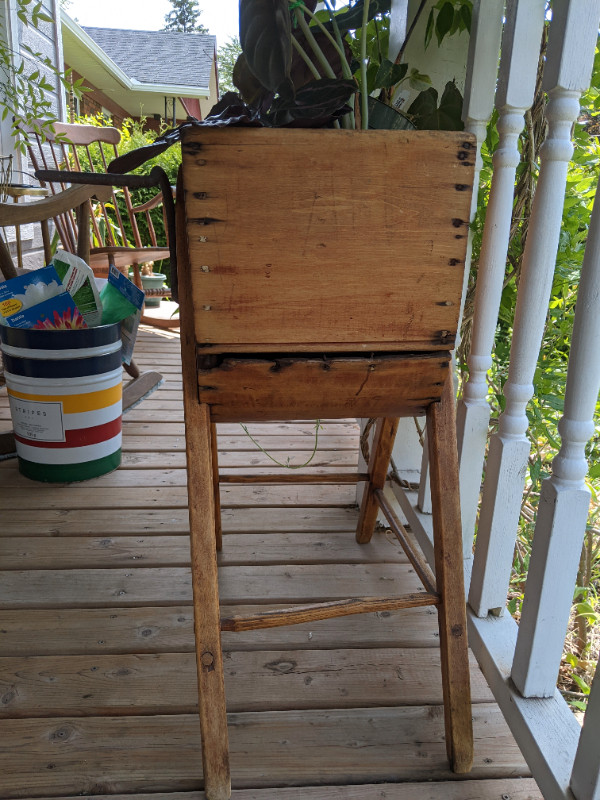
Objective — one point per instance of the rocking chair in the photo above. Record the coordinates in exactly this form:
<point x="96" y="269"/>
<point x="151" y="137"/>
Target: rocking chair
<point x="113" y="225"/>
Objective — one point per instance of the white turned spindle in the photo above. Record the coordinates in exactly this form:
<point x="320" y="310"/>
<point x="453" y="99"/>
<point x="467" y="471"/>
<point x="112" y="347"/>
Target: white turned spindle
<point x="571" y="47"/>
<point x="564" y="501"/>
<point x="514" y="95"/>
<point x="398" y="27"/>
<point x="482" y="68"/>
<point x="585" y="780"/>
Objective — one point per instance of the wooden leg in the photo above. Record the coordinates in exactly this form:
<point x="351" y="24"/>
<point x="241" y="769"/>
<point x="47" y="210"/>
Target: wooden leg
<point x="46" y="241"/>
<point x="449" y="567"/>
<point x="207" y="624"/>
<point x="379" y="460"/>
<point x="215" y="473"/>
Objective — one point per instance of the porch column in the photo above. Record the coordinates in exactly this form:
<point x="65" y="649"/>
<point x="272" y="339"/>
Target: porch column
<point x="571" y="47"/>
<point x="585" y="780"/>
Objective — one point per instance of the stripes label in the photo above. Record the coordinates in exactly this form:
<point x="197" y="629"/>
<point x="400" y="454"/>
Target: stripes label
<point x="34" y="420"/>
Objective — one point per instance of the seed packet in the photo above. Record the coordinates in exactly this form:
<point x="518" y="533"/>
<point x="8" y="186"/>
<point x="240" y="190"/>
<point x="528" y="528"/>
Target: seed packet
<point x="57" y="313"/>
<point x="78" y="280"/>
<point x="122" y="302"/>
<point x="20" y="293"/>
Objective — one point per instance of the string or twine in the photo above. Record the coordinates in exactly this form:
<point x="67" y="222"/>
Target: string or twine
<point x="287" y="465"/>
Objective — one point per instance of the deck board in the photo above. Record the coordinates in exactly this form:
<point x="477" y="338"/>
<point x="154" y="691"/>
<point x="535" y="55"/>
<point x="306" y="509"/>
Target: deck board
<point x="97" y="683"/>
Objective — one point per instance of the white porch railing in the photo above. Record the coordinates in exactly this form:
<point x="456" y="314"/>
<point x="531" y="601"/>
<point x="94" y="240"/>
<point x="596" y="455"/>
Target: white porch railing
<point x="521" y="663"/>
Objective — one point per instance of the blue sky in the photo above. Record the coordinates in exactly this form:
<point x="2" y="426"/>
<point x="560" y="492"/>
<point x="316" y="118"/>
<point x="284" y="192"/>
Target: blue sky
<point x="219" y="16"/>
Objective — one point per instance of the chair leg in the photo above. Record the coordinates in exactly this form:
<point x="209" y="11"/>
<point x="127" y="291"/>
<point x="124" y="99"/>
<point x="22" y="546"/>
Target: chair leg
<point x="449" y="567"/>
<point x="207" y="626"/>
<point x="215" y="473"/>
<point x="383" y="442"/>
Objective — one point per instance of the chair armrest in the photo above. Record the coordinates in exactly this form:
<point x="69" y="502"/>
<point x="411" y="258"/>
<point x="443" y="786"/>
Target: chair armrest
<point x="39" y="210"/>
<point x="149" y="204"/>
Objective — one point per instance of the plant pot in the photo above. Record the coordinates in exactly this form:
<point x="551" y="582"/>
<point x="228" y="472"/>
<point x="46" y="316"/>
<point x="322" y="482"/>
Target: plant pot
<point x="154" y="281"/>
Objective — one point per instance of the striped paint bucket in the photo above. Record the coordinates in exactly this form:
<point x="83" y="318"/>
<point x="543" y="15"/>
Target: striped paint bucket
<point x="65" y="395"/>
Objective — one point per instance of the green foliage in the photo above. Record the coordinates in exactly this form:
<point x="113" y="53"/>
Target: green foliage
<point x="227" y="55"/>
<point x="183" y="17"/>
<point x="133" y="136"/>
<point x="27" y="89"/>
<point x="448" y="17"/>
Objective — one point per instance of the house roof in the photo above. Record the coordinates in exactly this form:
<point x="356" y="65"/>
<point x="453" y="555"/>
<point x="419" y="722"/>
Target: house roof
<point x="166" y="58"/>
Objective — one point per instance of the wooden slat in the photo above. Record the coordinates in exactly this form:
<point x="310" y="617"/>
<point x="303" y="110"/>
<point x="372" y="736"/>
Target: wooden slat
<point x="328" y="269"/>
<point x="166" y="683"/>
<point x="515" y="789"/>
<point x="240" y="389"/>
<point x="87" y="496"/>
<point x="141" y="586"/>
<point x="153" y="521"/>
<point x="169" y="629"/>
<point x="81" y="755"/>
<point x="39" y="552"/>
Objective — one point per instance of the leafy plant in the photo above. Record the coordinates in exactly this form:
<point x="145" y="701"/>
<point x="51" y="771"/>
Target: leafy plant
<point x="26" y="88"/>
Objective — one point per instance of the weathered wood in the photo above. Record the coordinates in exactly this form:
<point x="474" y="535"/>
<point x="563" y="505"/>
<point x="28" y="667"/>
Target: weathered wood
<point x="316" y="611"/>
<point x="169" y="629"/>
<point x="416" y="558"/>
<point x="516" y="789"/>
<point x="363" y="217"/>
<point x="149" y="522"/>
<point x="295" y="477"/>
<point x="136" y="550"/>
<point x="447" y="533"/>
<point x="63" y="496"/>
<point x="214" y="453"/>
<point x="302" y="747"/>
<point x="379" y="461"/>
<point x="275" y="680"/>
<point x="140" y="586"/>
<point x="260" y="389"/>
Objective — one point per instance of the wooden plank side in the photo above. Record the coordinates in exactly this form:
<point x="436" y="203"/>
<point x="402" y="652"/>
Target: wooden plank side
<point x="331" y="247"/>
<point x="42" y="552"/>
<point x="255" y="681"/>
<point x="241" y="389"/>
<point x="127" y="754"/>
<point x="169" y="629"/>
<point x="86" y="496"/>
<point x="499" y="789"/>
<point x="158" y="521"/>
<point x="141" y="586"/>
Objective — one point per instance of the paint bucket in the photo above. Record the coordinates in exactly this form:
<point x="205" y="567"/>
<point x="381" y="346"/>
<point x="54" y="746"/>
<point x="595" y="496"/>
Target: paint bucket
<point x="65" y="395"/>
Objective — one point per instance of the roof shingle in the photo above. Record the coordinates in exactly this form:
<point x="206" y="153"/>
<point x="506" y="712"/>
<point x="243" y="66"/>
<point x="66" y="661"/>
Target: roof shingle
<point x="159" y="57"/>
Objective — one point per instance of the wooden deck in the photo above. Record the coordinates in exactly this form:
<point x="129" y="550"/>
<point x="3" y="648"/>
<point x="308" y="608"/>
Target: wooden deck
<point x="97" y="674"/>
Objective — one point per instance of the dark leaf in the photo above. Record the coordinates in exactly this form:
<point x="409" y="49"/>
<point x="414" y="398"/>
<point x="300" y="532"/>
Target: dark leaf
<point x="300" y="73"/>
<point x="429" y="28"/>
<point x="384" y="117"/>
<point x="427" y="115"/>
<point x="389" y="74"/>
<point x="315" y="105"/>
<point x="250" y="88"/>
<point x="466" y="13"/>
<point x="266" y="39"/>
<point x="444" y="21"/>
<point x="351" y="19"/>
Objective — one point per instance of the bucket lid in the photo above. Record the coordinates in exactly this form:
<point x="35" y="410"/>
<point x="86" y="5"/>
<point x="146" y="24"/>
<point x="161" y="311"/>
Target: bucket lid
<point x="29" y="338"/>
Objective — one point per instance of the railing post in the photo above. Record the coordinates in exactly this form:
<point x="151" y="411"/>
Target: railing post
<point x="585" y="780"/>
<point x="571" y="47"/>
<point x="482" y="68"/>
<point x="514" y="95"/>
<point x="564" y="501"/>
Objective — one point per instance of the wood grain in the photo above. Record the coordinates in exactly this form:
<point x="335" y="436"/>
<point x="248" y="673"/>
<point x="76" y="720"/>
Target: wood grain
<point x="371" y="254"/>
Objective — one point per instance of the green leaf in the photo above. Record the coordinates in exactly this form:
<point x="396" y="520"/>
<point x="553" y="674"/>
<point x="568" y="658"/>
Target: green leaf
<point x="429" y="29"/>
<point x="581" y="683"/>
<point x="389" y="74"/>
<point x="351" y="19"/>
<point x="427" y="115"/>
<point x="466" y="13"/>
<point x="444" y="21"/>
<point x="266" y="39"/>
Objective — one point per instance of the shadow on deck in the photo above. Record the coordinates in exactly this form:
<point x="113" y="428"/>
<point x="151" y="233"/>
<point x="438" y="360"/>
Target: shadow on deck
<point x="97" y="683"/>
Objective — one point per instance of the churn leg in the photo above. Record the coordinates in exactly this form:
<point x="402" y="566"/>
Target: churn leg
<point x="207" y="623"/>
<point x="379" y="460"/>
<point x="447" y="533"/>
<point x="215" y="473"/>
